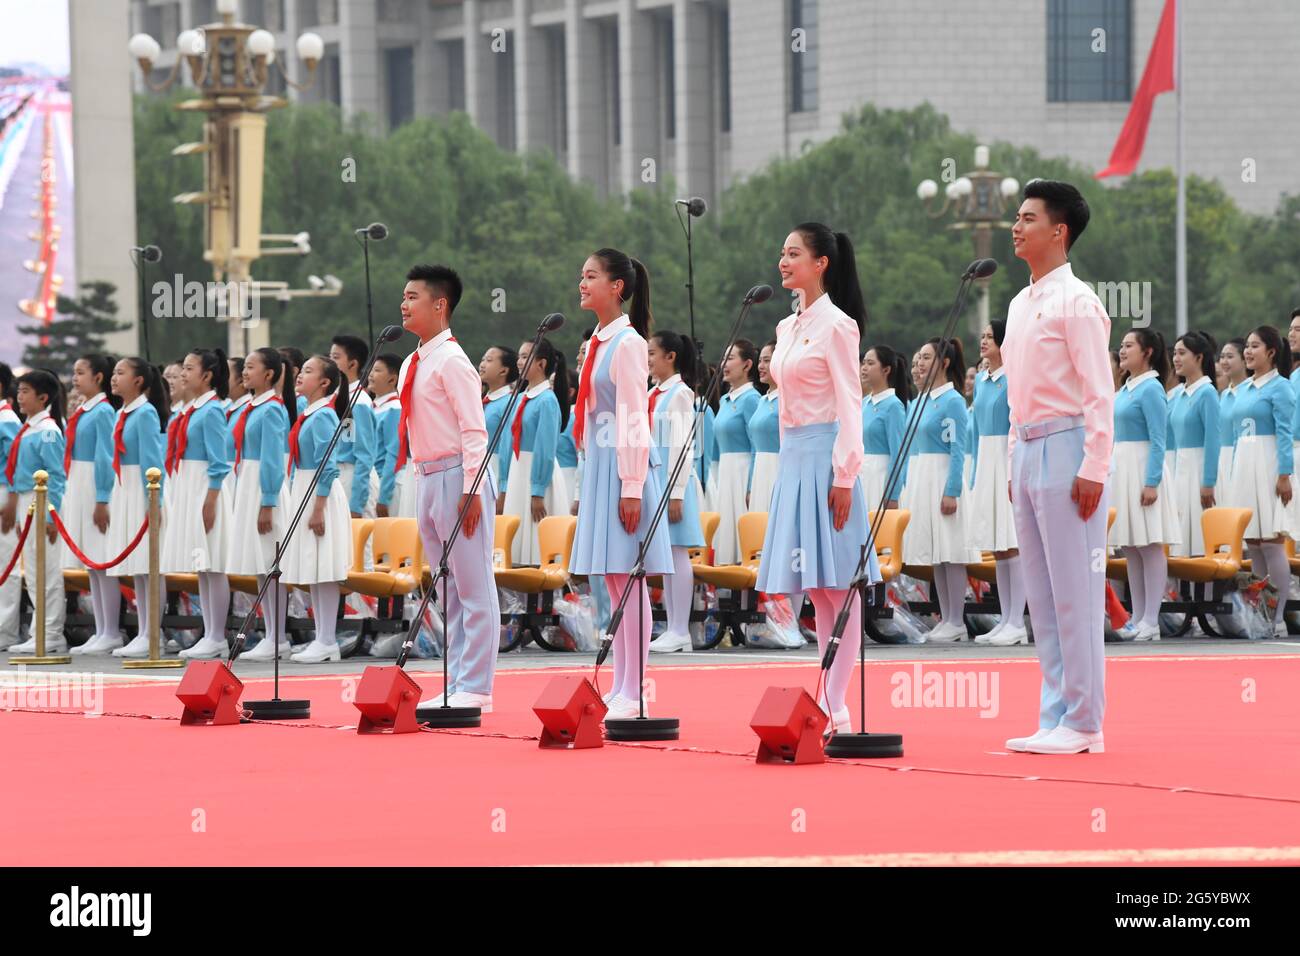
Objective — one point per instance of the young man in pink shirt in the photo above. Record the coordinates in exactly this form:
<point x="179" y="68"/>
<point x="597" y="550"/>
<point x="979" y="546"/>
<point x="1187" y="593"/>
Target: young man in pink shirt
<point x="1061" y="397"/>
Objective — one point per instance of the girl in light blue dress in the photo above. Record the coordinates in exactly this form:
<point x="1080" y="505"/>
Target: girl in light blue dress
<point x="1195" y="418"/>
<point x="735" y="463"/>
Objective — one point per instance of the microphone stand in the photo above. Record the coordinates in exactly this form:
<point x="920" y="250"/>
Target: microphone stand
<point x="444" y="715"/>
<point x="365" y="250"/>
<point x="137" y="256"/>
<point x="864" y="744"/>
<point x="662" y="728"/>
<point x="275" y="708"/>
<point x="690" y="265"/>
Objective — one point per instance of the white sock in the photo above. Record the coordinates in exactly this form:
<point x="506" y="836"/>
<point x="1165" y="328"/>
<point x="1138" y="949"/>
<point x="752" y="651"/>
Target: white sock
<point x="1279" y="575"/>
<point x="325" y="611"/>
<point x="679" y="587"/>
<point x="141" y="582"/>
<point x="1002" y="573"/>
<point x="1155" y="572"/>
<point x="215" y="599"/>
<point x="1136" y="587"/>
<point x="1016" y="591"/>
<point x="950" y="584"/>
<point x="275" y="600"/>
<point x="106" y="600"/>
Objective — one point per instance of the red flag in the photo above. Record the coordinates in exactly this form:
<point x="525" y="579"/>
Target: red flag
<point x="1157" y="78"/>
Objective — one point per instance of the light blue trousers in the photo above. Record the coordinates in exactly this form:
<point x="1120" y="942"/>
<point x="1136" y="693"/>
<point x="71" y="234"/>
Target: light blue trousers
<point x="473" y="611"/>
<point x="1064" y="564"/>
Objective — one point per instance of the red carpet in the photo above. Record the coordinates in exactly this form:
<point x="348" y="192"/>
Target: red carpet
<point x="1194" y="773"/>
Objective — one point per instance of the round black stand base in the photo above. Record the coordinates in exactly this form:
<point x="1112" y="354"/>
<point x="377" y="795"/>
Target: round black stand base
<point x="435" y="715"/>
<point x="642" y="728"/>
<point x="278" y="709"/>
<point x="865" y="745"/>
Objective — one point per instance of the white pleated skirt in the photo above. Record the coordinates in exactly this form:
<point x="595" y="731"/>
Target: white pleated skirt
<point x="318" y="559"/>
<point x="1171" y="461"/>
<point x="1254" y="485"/>
<point x="766" y="468"/>
<point x="874" y="474"/>
<point x="250" y="552"/>
<point x="991" y="524"/>
<point x="733" y="480"/>
<point x="1225" y="475"/>
<point x="571" y="483"/>
<point x="525" y="550"/>
<point x="931" y="536"/>
<point x="127" y="509"/>
<point x="710" y="499"/>
<point x="1187" y="498"/>
<point x="186" y="547"/>
<point x="404" y="493"/>
<point x="346" y="472"/>
<point x="77" y="512"/>
<point x="1136" y="526"/>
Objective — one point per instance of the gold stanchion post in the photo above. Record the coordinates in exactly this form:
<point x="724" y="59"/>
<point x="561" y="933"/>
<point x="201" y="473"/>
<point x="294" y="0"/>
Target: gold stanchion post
<point x="155" y="658"/>
<point x="38" y="529"/>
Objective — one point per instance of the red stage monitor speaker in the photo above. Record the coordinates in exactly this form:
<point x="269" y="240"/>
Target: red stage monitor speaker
<point x="789" y="725"/>
<point x="387" y="698"/>
<point x="571" y="712"/>
<point x="209" y="692"/>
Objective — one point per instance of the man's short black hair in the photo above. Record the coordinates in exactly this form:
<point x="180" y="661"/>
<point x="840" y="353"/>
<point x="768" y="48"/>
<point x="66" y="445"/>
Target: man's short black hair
<point x="1295" y="313"/>
<point x="392" y="361"/>
<point x="441" y="280"/>
<point x="356" y="348"/>
<point x="1064" y="203"/>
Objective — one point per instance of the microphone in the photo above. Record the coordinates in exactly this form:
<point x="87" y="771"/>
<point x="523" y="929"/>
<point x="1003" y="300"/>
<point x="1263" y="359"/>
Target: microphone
<point x="391" y="333"/>
<point x="148" y="253"/>
<point x="759" y="293"/>
<point x="695" y="206"/>
<point x="376" y="231"/>
<point x="552" y="322"/>
<point x="980" y="269"/>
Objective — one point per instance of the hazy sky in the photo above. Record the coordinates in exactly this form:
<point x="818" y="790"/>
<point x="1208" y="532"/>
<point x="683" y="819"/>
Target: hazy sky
<point x="35" y="31"/>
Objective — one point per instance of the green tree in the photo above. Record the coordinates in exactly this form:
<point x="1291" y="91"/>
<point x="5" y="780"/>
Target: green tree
<point x="83" y="323"/>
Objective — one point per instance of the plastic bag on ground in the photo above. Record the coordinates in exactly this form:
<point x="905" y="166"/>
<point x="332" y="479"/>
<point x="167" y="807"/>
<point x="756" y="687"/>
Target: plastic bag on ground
<point x="577" y="613"/>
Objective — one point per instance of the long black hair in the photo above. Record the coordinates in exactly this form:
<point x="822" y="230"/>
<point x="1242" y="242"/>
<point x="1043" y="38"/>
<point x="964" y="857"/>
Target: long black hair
<point x="636" y="286"/>
<point x="748" y="352"/>
<point x="337" y="382"/>
<point x="681" y="347"/>
<point x="153" y="386"/>
<point x="214" y="361"/>
<point x="510" y="359"/>
<point x="102" y="365"/>
<point x="999" y="329"/>
<point x="1275" y="342"/>
<point x="950" y="349"/>
<point x="898" y="372"/>
<point x="6" y="383"/>
<point x="274" y="360"/>
<point x="1201" y="345"/>
<point x="840" y="280"/>
<point x="1150" y="339"/>
<point x="44" y="382"/>
<point x="554" y="359"/>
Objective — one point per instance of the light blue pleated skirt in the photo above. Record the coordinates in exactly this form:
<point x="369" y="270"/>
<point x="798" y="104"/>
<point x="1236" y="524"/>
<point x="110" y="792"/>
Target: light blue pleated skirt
<point x="600" y="545"/>
<point x="802" y="550"/>
<point x="686" y="533"/>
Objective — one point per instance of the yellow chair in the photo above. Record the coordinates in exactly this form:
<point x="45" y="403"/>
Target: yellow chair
<point x="709" y="521"/>
<point x="1222" y="529"/>
<point x="505" y="527"/>
<point x="751" y="529"/>
<point x="889" y="541"/>
<point x="395" y="543"/>
<point x="555" y="541"/>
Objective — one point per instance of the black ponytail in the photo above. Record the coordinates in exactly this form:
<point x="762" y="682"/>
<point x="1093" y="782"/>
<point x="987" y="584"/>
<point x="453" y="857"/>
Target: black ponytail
<point x="636" y="287"/>
<point x="275" y="361"/>
<point x="44" y="382"/>
<point x="1150" y="339"/>
<point x="154" y="388"/>
<point x="1201" y="344"/>
<point x="897" y="372"/>
<point x="680" y="345"/>
<point x="102" y="365"/>
<point x="214" y="362"/>
<point x="1278" y="345"/>
<point x="748" y="352"/>
<point x="840" y="280"/>
<point x="6" y="383"/>
<point x="337" y="382"/>
<point x="949" y="349"/>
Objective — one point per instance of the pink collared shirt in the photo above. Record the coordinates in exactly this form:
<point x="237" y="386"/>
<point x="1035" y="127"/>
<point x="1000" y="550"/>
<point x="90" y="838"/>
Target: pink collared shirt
<point x="815" y="367"/>
<point x="1056" y="353"/>
<point x="446" y="414"/>
<point x="628" y="370"/>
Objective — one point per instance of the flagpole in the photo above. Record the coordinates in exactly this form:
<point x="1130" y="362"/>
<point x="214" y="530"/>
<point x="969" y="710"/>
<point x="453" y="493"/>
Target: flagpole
<point x="1180" y="242"/>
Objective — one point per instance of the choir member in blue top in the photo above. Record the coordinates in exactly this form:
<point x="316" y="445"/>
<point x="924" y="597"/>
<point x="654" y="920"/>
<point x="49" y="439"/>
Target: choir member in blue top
<point x="969" y="394"/>
<point x="1293" y="342"/>
<point x="706" y="458"/>
<point x="498" y="370"/>
<point x="11" y="589"/>
<point x="937" y="531"/>
<point x="239" y="397"/>
<point x="293" y="359"/>
<point x="887" y="389"/>
<point x="88" y="459"/>
<point x="1173" y="389"/>
<point x="261" y="503"/>
<point x="356" y="447"/>
<point x="388" y="412"/>
<point x="1146" y="514"/>
<point x="1232" y="373"/>
<point x="530" y="443"/>
<point x="992" y="524"/>
<point x="319" y="555"/>
<point x="39" y="445"/>
<point x="1195" y="418"/>
<point x="138" y="445"/>
<point x="764" y="428"/>
<point x="197" y="508"/>
<point x="1262" y="464"/>
<point x="735" y="453"/>
<point x="566" y="455"/>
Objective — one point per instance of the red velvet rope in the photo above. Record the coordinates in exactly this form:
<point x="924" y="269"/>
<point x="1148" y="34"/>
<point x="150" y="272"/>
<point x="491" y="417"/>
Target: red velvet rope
<point x="94" y="565"/>
<point x="22" y="539"/>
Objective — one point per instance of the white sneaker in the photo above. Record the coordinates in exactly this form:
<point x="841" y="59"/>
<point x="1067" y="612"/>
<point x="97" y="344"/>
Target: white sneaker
<point x="620" y="708"/>
<point x="208" y="648"/>
<point x="463" y="698"/>
<point x="1063" y="740"/>
<point x="1129" y="631"/>
<point x="1147" y="632"/>
<point x="56" y="645"/>
<point x="1280" y="629"/>
<point x="840" y="723"/>
<point x="318" y="652"/>
<point x="7" y="642"/>
<point x="1009" y="636"/>
<point x="607" y="697"/>
<point x="667" y="642"/>
<point x="1019" y="744"/>
<point x="137" y="647"/>
<point x="944" y="633"/>
<point x="262" y="652"/>
<point x="26" y="647"/>
<point x="98" y="645"/>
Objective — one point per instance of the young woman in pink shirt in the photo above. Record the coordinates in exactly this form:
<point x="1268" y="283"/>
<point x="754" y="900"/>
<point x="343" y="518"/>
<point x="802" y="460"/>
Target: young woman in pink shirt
<point x="817" y="521"/>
